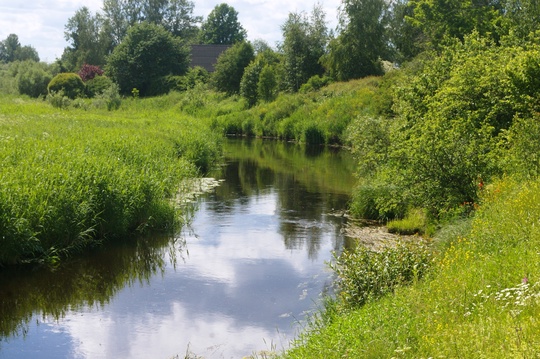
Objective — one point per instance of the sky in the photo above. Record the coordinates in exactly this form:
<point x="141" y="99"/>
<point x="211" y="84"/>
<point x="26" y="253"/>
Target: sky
<point x="40" y="23"/>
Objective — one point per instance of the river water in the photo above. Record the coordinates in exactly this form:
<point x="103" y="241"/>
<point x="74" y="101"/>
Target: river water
<point x="241" y="279"/>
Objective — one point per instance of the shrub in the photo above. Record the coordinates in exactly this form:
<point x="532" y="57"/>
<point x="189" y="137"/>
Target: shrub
<point x="267" y="85"/>
<point x="70" y="83"/>
<point x="88" y="72"/>
<point x="97" y="85"/>
<point x="58" y="100"/>
<point x="314" y="83"/>
<point x="195" y="76"/>
<point x="32" y="80"/>
<point x="110" y="98"/>
<point x="249" y="83"/>
<point x="365" y="274"/>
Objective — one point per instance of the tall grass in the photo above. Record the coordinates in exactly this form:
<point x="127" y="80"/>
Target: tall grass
<point x="320" y="117"/>
<point x="482" y="299"/>
<point x="69" y="179"/>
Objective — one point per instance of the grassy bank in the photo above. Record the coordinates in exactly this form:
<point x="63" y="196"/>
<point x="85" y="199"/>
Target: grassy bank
<point x="480" y="300"/>
<point x="72" y="178"/>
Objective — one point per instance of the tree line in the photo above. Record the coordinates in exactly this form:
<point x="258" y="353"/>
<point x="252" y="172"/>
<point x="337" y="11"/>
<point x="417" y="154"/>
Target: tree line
<point x="143" y="44"/>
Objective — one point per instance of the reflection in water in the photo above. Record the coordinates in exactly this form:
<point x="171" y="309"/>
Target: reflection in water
<point x="252" y="267"/>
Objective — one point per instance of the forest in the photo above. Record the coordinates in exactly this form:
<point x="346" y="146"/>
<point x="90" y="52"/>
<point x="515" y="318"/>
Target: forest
<point x="437" y="99"/>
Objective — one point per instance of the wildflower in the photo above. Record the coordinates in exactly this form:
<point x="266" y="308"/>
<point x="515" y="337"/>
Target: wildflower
<point x="525" y="280"/>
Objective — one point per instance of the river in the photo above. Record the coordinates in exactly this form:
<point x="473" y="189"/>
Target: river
<point x="241" y="279"/>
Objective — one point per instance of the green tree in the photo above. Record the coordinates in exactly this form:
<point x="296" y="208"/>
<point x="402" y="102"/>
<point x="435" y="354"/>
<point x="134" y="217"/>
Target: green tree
<point x="249" y="83"/>
<point x="119" y="15"/>
<point x="267" y="85"/>
<point x="33" y="78"/>
<point x="11" y="50"/>
<point x="362" y="42"/>
<point x="222" y="27"/>
<point x="406" y="40"/>
<point x="88" y="43"/>
<point x="443" y="20"/>
<point x="148" y="53"/>
<point x="230" y="67"/>
<point x="304" y="43"/>
<point x="522" y="16"/>
<point x="8" y="48"/>
<point x="27" y="52"/>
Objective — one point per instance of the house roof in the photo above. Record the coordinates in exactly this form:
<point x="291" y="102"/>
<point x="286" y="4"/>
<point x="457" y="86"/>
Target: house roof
<point x="206" y="55"/>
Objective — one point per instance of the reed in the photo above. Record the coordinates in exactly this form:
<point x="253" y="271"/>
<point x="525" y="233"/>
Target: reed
<point x="72" y="178"/>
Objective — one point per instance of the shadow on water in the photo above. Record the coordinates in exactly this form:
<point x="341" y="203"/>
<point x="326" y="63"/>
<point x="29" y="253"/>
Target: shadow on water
<point x="254" y="261"/>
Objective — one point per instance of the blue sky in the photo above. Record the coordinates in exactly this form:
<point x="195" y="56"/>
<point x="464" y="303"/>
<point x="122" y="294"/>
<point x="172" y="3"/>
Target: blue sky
<point x="40" y="23"/>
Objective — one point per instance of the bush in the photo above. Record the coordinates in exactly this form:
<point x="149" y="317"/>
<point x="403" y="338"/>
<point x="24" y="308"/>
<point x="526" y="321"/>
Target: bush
<point x="110" y="98"/>
<point x="314" y="83"/>
<point x="365" y="274"/>
<point x="32" y="79"/>
<point x="58" y="100"/>
<point x="70" y="83"/>
<point x="148" y="52"/>
<point x="88" y="72"/>
<point x="97" y="85"/>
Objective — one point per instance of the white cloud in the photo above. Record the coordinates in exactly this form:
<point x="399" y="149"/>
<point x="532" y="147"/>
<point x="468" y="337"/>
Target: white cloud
<point x="40" y="23"/>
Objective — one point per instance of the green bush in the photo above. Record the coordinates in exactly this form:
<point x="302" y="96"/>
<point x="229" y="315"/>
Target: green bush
<point x="365" y="274"/>
<point x="314" y="83"/>
<point x="97" y="85"/>
<point x="58" y="100"/>
<point x="32" y="79"/>
<point x="70" y="83"/>
<point x="110" y="98"/>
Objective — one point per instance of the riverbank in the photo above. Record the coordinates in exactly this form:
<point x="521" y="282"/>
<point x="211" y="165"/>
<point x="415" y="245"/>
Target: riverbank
<point x="74" y="178"/>
<point x="480" y="299"/>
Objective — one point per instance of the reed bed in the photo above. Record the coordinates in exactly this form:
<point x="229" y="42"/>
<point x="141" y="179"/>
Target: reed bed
<point x="70" y="179"/>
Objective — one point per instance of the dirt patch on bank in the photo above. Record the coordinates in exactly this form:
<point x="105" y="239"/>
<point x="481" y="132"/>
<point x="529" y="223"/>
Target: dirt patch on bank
<point x="373" y="235"/>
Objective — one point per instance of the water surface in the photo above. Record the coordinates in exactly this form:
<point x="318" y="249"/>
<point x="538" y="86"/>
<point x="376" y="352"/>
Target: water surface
<point x="241" y="279"/>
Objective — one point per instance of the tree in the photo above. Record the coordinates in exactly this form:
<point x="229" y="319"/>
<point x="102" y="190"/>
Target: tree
<point x="27" y="52"/>
<point x="32" y="78"/>
<point x="443" y="20"/>
<point x="230" y="67"/>
<point x="304" y="44"/>
<point x="522" y="16"/>
<point x="222" y="27"/>
<point x="406" y="40"/>
<point x="249" y="83"/>
<point x="8" y="47"/>
<point x="11" y="50"/>
<point x="358" y="49"/>
<point x="266" y="87"/>
<point x="148" y="53"/>
<point x="175" y="15"/>
<point x="88" y="43"/>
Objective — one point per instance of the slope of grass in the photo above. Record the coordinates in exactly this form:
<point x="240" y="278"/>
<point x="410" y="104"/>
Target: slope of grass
<point x="481" y="300"/>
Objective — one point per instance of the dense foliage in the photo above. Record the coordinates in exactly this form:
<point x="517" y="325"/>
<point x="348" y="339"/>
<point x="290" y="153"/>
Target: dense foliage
<point x="304" y="43"/>
<point x="70" y="84"/>
<point x="11" y="50"/>
<point x="222" y="27"/>
<point x="147" y="54"/>
<point x="230" y="67"/>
